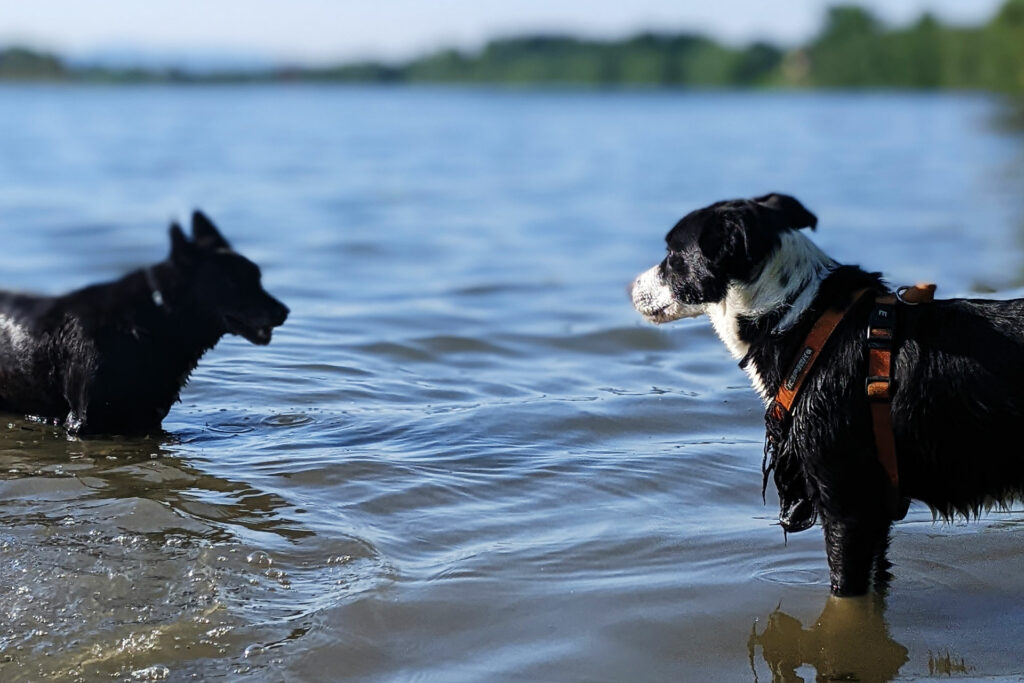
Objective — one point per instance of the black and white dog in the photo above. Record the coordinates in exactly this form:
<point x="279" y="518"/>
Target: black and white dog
<point x="958" y="377"/>
<point x="112" y="358"/>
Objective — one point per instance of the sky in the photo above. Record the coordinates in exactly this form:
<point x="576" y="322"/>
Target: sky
<point x="329" y="31"/>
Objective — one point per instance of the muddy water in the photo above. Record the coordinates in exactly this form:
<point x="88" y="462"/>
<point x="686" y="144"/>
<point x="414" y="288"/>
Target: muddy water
<point x="464" y="458"/>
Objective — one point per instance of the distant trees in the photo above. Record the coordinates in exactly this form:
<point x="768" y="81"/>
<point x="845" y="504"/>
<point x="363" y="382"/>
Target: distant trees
<point x="853" y="50"/>
<point x="1001" y="59"/>
<point x="645" y="59"/>
<point x="20" y="63"/>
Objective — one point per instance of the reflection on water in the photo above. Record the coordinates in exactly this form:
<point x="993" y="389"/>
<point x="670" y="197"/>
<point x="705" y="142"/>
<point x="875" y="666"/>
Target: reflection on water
<point x="946" y="664"/>
<point x="126" y="468"/>
<point x="117" y="558"/>
<point x="849" y="641"/>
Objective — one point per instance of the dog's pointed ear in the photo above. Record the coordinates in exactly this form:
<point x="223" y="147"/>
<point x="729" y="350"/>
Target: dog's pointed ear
<point x="205" y="233"/>
<point x="785" y="211"/>
<point x="183" y="252"/>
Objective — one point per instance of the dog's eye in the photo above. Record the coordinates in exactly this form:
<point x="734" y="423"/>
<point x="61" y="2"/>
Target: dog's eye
<point x="676" y="261"/>
<point x="243" y="274"/>
<point x="251" y="272"/>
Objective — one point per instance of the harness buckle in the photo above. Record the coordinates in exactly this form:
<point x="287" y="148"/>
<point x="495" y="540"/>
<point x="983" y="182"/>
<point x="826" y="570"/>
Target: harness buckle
<point x="879" y="338"/>
<point x="877" y="388"/>
<point x="916" y="294"/>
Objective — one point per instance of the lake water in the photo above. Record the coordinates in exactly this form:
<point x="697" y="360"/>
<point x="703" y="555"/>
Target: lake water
<point x="464" y="457"/>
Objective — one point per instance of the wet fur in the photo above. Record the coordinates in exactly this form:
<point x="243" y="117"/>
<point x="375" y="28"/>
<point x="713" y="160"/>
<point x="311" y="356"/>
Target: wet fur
<point x="112" y="358"/>
<point x="958" y="377"/>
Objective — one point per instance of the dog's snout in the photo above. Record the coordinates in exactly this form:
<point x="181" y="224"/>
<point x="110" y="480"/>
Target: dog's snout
<point x="639" y="286"/>
<point x="282" y="313"/>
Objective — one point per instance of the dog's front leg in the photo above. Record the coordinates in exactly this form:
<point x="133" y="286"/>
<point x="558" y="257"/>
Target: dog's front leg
<point x="853" y="553"/>
<point x="75" y="420"/>
<point x="76" y="394"/>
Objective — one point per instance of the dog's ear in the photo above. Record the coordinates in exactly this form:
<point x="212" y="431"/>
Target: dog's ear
<point x="784" y="211"/>
<point x="205" y="234"/>
<point x="183" y="252"/>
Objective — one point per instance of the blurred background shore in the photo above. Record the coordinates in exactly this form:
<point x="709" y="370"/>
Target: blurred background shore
<point x="853" y="48"/>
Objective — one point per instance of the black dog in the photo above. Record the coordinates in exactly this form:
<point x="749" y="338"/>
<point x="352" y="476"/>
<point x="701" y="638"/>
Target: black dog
<point x="957" y="377"/>
<point x="112" y="358"/>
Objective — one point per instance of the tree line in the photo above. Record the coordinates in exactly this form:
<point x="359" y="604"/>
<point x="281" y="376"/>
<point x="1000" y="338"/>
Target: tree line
<point x="853" y="49"/>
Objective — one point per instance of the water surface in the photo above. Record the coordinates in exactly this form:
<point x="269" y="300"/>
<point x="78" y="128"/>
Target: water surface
<point x="464" y="457"/>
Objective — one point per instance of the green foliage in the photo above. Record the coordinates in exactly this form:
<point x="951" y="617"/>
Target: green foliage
<point x="853" y="50"/>
<point x="757" y="64"/>
<point x="361" y="72"/>
<point x="1003" y="51"/>
<point x="20" y="63"/>
<point x="646" y="59"/>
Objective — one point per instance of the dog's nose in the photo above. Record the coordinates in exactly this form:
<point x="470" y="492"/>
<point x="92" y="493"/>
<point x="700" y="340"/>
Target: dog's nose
<point x="276" y="311"/>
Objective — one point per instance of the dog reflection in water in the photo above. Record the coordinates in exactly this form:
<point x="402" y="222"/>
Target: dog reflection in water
<point x="850" y="641"/>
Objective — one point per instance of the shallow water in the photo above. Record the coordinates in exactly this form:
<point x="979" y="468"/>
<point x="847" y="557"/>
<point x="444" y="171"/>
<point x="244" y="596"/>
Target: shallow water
<point x="464" y="457"/>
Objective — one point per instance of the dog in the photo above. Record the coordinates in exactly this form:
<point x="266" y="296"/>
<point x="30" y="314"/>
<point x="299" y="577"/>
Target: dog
<point x="112" y="358"/>
<point x="957" y="378"/>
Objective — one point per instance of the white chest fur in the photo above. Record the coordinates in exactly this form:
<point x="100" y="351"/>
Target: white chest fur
<point x="786" y="285"/>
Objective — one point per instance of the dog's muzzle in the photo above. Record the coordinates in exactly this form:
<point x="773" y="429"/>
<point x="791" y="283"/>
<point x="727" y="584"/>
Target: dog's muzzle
<point x="653" y="299"/>
<point x="258" y="328"/>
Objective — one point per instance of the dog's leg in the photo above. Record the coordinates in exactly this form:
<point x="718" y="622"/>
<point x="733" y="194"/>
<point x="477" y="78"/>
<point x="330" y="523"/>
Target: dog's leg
<point x="76" y="394"/>
<point x="855" y="554"/>
<point x="882" y="576"/>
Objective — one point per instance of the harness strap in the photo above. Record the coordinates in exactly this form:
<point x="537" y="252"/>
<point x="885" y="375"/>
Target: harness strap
<point x="801" y="366"/>
<point x="878" y="384"/>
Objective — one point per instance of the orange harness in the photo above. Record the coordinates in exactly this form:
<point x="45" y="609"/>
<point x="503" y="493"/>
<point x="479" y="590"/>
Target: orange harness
<point x="878" y="384"/>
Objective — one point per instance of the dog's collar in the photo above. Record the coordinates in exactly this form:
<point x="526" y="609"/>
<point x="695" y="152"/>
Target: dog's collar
<point x="154" y="287"/>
